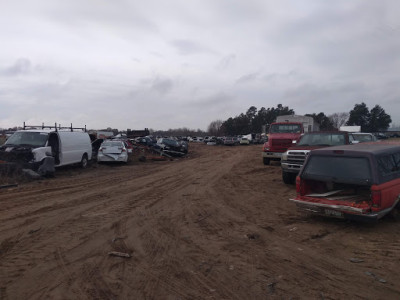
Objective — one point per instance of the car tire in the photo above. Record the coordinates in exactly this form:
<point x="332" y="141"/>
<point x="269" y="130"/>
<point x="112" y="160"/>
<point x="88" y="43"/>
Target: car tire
<point x="266" y="161"/>
<point x="395" y="212"/>
<point x="288" y="178"/>
<point x="84" y="161"/>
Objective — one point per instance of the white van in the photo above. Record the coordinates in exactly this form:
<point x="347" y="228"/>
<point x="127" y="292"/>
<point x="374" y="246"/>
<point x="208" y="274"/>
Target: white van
<point x="32" y="146"/>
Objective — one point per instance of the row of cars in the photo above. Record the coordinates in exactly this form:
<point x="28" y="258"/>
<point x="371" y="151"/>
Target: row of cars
<point x="225" y="140"/>
<point x="344" y="175"/>
<point x="120" y="149"/>
<point x="42" y="148"/>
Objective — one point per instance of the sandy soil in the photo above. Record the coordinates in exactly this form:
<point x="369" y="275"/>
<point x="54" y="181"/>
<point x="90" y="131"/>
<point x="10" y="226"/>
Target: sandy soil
<point x="214" y="225"/>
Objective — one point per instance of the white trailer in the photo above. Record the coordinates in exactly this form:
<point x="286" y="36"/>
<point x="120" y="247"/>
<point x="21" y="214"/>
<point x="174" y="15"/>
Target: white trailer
<point x="350" y="128"/>
<point x="308" y="122"/>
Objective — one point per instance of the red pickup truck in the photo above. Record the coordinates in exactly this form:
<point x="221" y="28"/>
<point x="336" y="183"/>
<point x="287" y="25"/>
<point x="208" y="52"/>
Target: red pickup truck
<point x="360" y="182"/>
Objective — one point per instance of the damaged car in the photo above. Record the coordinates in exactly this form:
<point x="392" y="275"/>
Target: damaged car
<point x="173" y="147"/>
<point x="43" y="149"/>
<point x="113" y="151"/>
<point x="359" y="182"/>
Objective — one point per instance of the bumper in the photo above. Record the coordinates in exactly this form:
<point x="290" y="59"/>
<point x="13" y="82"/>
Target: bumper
<point x="272" y="154"/>
<point x="339" y="211"/>
<point x="290" y="168"/>
<point x="110" y="158"/>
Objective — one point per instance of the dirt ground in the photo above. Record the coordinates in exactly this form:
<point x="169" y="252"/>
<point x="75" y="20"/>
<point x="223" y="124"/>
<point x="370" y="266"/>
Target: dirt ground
<point x="214" y="225"/>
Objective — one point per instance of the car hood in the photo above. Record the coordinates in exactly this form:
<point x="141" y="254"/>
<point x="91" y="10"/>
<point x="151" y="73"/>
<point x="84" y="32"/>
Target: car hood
<point x="284" y="136"/>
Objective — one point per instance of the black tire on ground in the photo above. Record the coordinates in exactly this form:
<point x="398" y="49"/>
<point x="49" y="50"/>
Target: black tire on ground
<point x="288" y="178"/>
<point x="84" y="161"/>
<point x="395" y="212"/>
<point x="266" y="161"/>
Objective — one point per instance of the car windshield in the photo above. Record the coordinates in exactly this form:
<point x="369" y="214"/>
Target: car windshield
<point x="112" y="144"/>
<point x="339" y="169"/>
<point x="363" y="137"/>
<point x="170" y="142"/>
<point x="285" y="128"/>
<point x="35" y="139"/>
<point x="330" y="139"/>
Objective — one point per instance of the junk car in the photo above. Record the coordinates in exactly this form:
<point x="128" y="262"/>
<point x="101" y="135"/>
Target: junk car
<point x="360" y="182"/>
<point x="47" y="147"/>
<point x="113" y="151"/>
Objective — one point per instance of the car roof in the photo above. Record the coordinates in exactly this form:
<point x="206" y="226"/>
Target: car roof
<point x="326" y="132"/>
<point x="361" y="133"/>
<point x="361" y="148"/>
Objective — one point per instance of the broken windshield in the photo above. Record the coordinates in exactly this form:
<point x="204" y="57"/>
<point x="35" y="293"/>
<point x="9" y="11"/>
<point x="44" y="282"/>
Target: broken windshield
<point x="23" y="138"/>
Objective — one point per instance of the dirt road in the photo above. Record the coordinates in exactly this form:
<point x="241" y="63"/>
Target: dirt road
<point x="215" y="225"/>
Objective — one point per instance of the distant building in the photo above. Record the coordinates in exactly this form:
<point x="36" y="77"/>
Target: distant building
<point x="350" y="128"/>
<point x="131" y="134"/>
<point x="104" y="134"/>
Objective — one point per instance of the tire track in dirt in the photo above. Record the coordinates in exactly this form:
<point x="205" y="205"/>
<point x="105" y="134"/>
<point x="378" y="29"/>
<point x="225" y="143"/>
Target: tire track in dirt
<point x="218" y="225"/>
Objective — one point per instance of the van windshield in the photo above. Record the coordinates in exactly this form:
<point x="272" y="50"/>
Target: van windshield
<point x="338" y="169"/>
<point x="33" y="139"/>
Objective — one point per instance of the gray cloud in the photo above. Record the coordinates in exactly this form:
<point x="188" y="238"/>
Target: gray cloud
<point x="189" y="47"/>
<point x="175" y="64"/>
<point x="20" y="67"/>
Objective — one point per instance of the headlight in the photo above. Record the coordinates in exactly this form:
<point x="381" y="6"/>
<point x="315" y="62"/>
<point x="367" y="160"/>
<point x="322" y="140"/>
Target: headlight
<point x="284" y="156"/>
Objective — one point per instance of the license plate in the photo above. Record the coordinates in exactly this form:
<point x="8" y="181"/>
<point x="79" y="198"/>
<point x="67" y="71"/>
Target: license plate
<point x="333" y="213"/>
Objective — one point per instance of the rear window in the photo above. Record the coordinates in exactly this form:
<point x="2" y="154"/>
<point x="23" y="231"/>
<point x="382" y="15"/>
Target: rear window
<point x="112" y="144"/>
<point x="339" y="169"/>
<point x="325" y="139"/>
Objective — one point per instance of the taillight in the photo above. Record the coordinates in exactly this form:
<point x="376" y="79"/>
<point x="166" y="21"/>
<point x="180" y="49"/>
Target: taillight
<point x="298" y="186"/>
<point x="376" y="198"/>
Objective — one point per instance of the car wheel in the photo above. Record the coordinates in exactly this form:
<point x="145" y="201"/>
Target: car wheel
<point x="288" y="178"/>
<point x="395" y="212"/>
<point x="84" y="161"/>
<point x="266" y="161"/>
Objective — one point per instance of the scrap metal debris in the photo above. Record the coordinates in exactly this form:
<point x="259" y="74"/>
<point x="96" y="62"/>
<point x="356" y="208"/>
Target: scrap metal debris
<point x="356" y="260"/>
<point x="119" y="254"/>
<point x="375" y="277"/>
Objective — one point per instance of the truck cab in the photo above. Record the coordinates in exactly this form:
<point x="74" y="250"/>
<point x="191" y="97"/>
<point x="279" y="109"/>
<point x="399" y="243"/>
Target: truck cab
<point x="293" y="159"/>
<point x="282" y="135"/>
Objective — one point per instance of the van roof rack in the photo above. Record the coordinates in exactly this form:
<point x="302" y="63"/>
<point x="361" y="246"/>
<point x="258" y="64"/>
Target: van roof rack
<point x="56" y="127"/>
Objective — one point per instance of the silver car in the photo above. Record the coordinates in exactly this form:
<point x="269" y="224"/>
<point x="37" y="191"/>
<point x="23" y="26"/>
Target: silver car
<point x="113" y="151"/>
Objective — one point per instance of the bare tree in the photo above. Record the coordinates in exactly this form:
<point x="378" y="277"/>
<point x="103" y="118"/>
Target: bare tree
<point x="339" y="119"/>
<point x="215" y="128"/>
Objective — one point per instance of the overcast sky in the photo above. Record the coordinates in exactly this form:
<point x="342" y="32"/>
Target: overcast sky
<point x="183" y="63"/>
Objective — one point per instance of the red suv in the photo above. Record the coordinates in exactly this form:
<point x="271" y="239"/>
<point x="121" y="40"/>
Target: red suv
<point x="359" y="181"/>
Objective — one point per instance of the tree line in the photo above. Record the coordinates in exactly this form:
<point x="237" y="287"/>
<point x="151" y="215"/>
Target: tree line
<point x="253" y="120"/>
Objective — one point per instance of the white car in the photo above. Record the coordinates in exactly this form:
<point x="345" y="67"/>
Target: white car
<point x="113" y="151"/>
<point x="244" y="141"/>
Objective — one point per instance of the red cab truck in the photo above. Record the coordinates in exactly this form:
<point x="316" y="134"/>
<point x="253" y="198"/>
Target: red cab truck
<point x="282" y="135"/>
